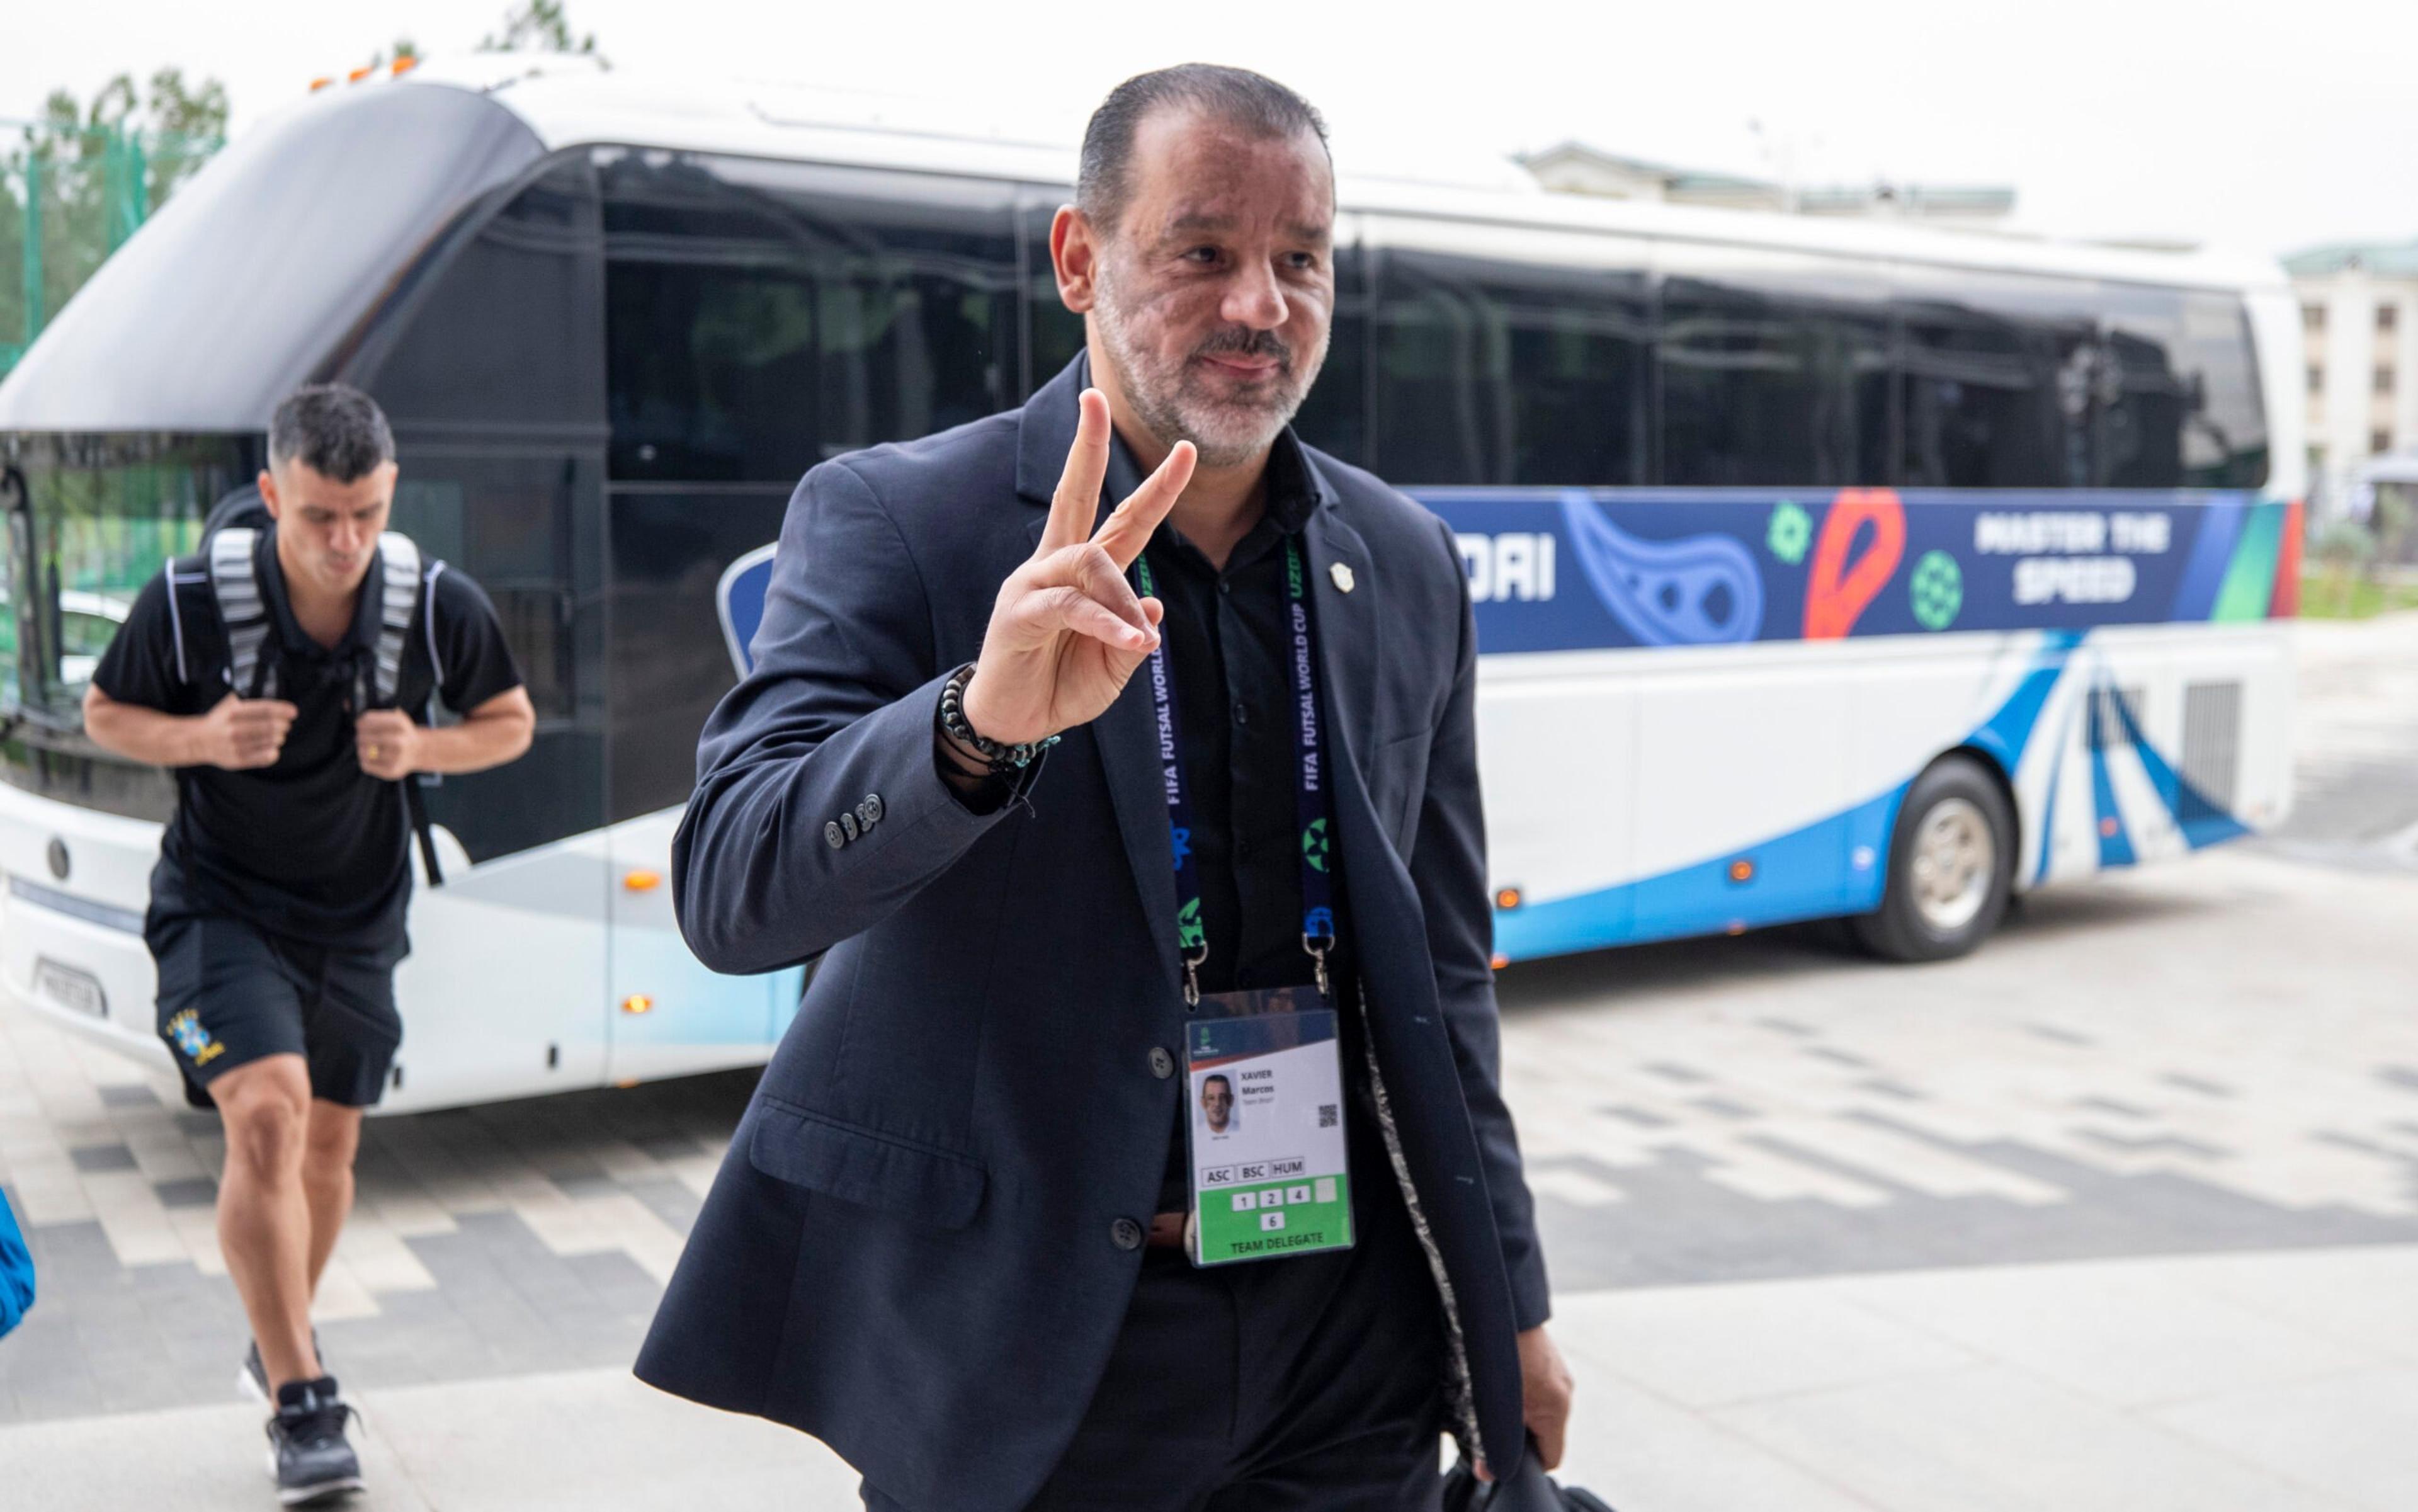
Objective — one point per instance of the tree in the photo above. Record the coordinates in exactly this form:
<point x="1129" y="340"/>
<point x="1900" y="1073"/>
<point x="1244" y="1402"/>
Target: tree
<point x="540" y="26"/>
<point x="99" y="170"/>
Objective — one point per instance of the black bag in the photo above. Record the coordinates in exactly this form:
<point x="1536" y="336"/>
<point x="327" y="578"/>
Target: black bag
<point x="247" y="620"/>
<point x="243" y="508"/>
<point x="1529" y="1489"/>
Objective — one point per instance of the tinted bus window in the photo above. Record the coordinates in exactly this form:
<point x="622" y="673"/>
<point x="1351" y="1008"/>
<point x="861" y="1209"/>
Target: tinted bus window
<point x="1774" y="371"/>
<point x="1054" y="333"/>
<point x="490" y="362"/>
<point x="490" y="365"/>
<point x="2182" y="392"/>
<point x="763" y="316"/>
<point x="1491" y="371"/>
<point x="1334" y="416"/>
<point x="1995" y="382"/>
<point x="499" y="327"/>
<point x="670" y="663"/>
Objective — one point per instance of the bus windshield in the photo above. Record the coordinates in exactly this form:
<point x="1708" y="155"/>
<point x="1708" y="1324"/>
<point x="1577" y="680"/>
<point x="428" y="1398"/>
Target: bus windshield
<point x="90" y="520"/>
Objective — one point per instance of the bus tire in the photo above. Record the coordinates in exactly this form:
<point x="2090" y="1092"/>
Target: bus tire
<point x="1951" y="868"/>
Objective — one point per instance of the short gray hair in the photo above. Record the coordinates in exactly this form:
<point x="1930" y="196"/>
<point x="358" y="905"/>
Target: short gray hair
<point x="334" y="429"/>
<point x="1259" y="104"/>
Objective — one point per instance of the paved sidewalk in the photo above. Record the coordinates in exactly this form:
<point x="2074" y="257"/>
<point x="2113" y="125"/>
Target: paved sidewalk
<point x="2211" y="1384"/>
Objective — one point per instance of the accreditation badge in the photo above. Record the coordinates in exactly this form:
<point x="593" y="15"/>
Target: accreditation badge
<point x="1270" y="1176"/>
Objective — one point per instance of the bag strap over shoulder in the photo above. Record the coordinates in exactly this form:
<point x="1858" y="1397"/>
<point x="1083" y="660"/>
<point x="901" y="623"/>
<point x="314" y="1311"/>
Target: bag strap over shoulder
<point x="244" y="609"/>
<point x="399" y="597"/>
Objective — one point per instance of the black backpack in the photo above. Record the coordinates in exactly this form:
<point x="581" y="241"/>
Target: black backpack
<point x="229" y="534"/>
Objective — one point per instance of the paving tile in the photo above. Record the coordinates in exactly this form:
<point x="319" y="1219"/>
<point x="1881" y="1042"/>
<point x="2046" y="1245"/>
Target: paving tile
<point x="2132" y="1334"/>
<point x="102" y="1157"/>
<point x="197" y="1192"/>
<point x="1994" y="1439"/>
<point x="2354" y="1435"/>
<point x="1712" y="1346"/>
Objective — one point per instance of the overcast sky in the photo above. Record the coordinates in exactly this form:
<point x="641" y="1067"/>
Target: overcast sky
<point x="2264" y="126"/>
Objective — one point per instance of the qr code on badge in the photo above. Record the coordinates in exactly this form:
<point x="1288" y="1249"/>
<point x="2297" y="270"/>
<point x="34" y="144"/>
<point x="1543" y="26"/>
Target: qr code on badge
<point x="1327" y="1115"/>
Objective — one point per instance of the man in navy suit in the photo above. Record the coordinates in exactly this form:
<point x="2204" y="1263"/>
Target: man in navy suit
<point x="957" y="1233"/>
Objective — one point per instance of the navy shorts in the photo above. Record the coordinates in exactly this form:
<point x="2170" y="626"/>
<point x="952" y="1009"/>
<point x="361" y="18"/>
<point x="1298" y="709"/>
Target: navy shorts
<point x="231" y="993"/>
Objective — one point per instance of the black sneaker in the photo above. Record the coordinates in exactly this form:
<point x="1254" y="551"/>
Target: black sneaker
<point x="307" y="1451"/>
<point x="253" y="1379"/>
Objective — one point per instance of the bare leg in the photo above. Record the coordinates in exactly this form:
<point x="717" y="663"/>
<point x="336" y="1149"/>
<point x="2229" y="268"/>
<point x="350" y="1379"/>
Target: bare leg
<point x="335" y="1135"/>
<point x="264" y="1216"/>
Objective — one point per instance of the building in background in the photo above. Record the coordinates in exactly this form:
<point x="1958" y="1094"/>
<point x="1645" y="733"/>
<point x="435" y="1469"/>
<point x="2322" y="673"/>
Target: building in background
<point x="2359" y="326"/>
<point x="1575" y="168"/>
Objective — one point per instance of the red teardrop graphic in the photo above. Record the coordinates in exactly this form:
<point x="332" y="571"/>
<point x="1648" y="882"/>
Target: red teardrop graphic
<point x="1836" y="595"/>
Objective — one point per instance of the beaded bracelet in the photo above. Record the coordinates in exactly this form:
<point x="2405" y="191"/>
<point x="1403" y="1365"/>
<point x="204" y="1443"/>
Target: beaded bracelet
<point x="1003" y="760"/>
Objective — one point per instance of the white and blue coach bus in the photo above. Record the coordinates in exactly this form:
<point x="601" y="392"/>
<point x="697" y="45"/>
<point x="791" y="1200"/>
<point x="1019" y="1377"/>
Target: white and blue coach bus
<point x="1822" y="568"/>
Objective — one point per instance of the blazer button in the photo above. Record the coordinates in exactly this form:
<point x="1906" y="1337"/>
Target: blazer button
<point x="870" y="810"/>
<point x="1125" y="1234"/>
<point x="832" y="836"/>
<point x="848" y="823"/>
<point x="1162" y="1065"/>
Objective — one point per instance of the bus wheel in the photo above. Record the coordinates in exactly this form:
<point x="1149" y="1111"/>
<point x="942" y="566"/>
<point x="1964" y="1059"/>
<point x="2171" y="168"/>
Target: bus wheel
<point x="1951" y="869"/>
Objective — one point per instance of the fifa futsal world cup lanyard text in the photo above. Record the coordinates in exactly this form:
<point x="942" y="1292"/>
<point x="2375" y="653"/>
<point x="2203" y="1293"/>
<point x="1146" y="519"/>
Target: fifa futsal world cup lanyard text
<point x="1262" y="1070"/>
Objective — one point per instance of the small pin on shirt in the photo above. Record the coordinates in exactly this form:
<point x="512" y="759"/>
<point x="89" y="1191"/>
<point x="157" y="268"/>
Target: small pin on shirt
<point x="1343" y="576"/>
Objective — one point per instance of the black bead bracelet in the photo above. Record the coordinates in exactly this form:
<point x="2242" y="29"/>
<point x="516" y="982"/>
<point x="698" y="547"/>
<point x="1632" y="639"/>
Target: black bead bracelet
<point x="1003" y="760"/>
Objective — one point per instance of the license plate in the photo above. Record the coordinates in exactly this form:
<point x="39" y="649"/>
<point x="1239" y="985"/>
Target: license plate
<point x="77" y="991"/>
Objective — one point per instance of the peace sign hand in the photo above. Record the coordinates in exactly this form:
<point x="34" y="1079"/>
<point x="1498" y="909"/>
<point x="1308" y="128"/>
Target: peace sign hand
<point x="1067" y="629"/>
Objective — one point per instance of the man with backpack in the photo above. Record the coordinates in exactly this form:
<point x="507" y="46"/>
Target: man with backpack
<point x="277" y="672"/>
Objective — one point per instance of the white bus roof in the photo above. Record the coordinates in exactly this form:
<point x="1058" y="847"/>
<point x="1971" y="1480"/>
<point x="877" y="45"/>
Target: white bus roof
<point x="570" y="101"/>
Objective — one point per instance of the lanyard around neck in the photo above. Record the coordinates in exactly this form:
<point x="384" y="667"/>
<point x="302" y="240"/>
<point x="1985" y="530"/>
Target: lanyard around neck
<point x="1310" y="788"/>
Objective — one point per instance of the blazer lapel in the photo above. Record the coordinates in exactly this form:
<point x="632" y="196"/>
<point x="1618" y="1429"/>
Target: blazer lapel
<point x="1349" y="646"/>
<point x="1126" y="738"/>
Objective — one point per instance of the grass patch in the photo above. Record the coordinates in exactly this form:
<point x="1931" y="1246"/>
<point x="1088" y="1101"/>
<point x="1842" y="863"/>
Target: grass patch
<point x="2336" y="595"/>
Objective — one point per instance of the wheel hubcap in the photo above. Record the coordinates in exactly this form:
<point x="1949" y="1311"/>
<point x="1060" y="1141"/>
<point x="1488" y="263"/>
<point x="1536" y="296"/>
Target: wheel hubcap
<point x="1952" y="863"/>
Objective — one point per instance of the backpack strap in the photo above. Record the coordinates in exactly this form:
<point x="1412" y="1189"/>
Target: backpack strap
<point x="399" y="595"/>
<point x="176" y="580"/>
<point x="244" y="610"/>
<point x="401" y="589"/>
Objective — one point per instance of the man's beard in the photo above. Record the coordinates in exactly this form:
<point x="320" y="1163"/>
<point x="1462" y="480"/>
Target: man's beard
<point x="1174" y="400"/>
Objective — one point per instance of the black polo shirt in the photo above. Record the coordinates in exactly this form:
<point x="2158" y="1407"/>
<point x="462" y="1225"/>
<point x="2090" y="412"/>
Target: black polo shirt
<point x="1228" y="653"/>
<point x="310" y="847"/>
<point x="1229" y="646"/>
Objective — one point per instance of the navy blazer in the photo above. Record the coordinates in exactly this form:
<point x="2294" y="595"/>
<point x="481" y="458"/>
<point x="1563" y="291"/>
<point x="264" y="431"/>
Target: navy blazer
<point x="917" y="1248"/>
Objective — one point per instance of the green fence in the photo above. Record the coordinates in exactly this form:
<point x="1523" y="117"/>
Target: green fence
<point x="70" y="196"/>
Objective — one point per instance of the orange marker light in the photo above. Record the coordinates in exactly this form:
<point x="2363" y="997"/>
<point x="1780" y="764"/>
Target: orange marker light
<point x="637" y="1002"/>
<point x="359" y="74"/>
<point x="321" y="83"/>
<point x="1742" y="870"/>
<point x="404" y="66"/>
<point x="1507" y="898"/>
<point x="642" y="880"/>
<point x="1738" y="926"/>
<point x="1500" y="962"/>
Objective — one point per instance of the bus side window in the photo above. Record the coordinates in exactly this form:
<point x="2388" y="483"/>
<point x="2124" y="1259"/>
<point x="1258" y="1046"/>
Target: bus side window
<point x="1052" y="333"/>
<point x="1993" y="382"/>
<point x="1334" y="418"/>
<point x="1498" y="372"/>
<point x="1774" y="370"/>
<point x="764" y="317"/>
<point x="2183" y="404"/>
